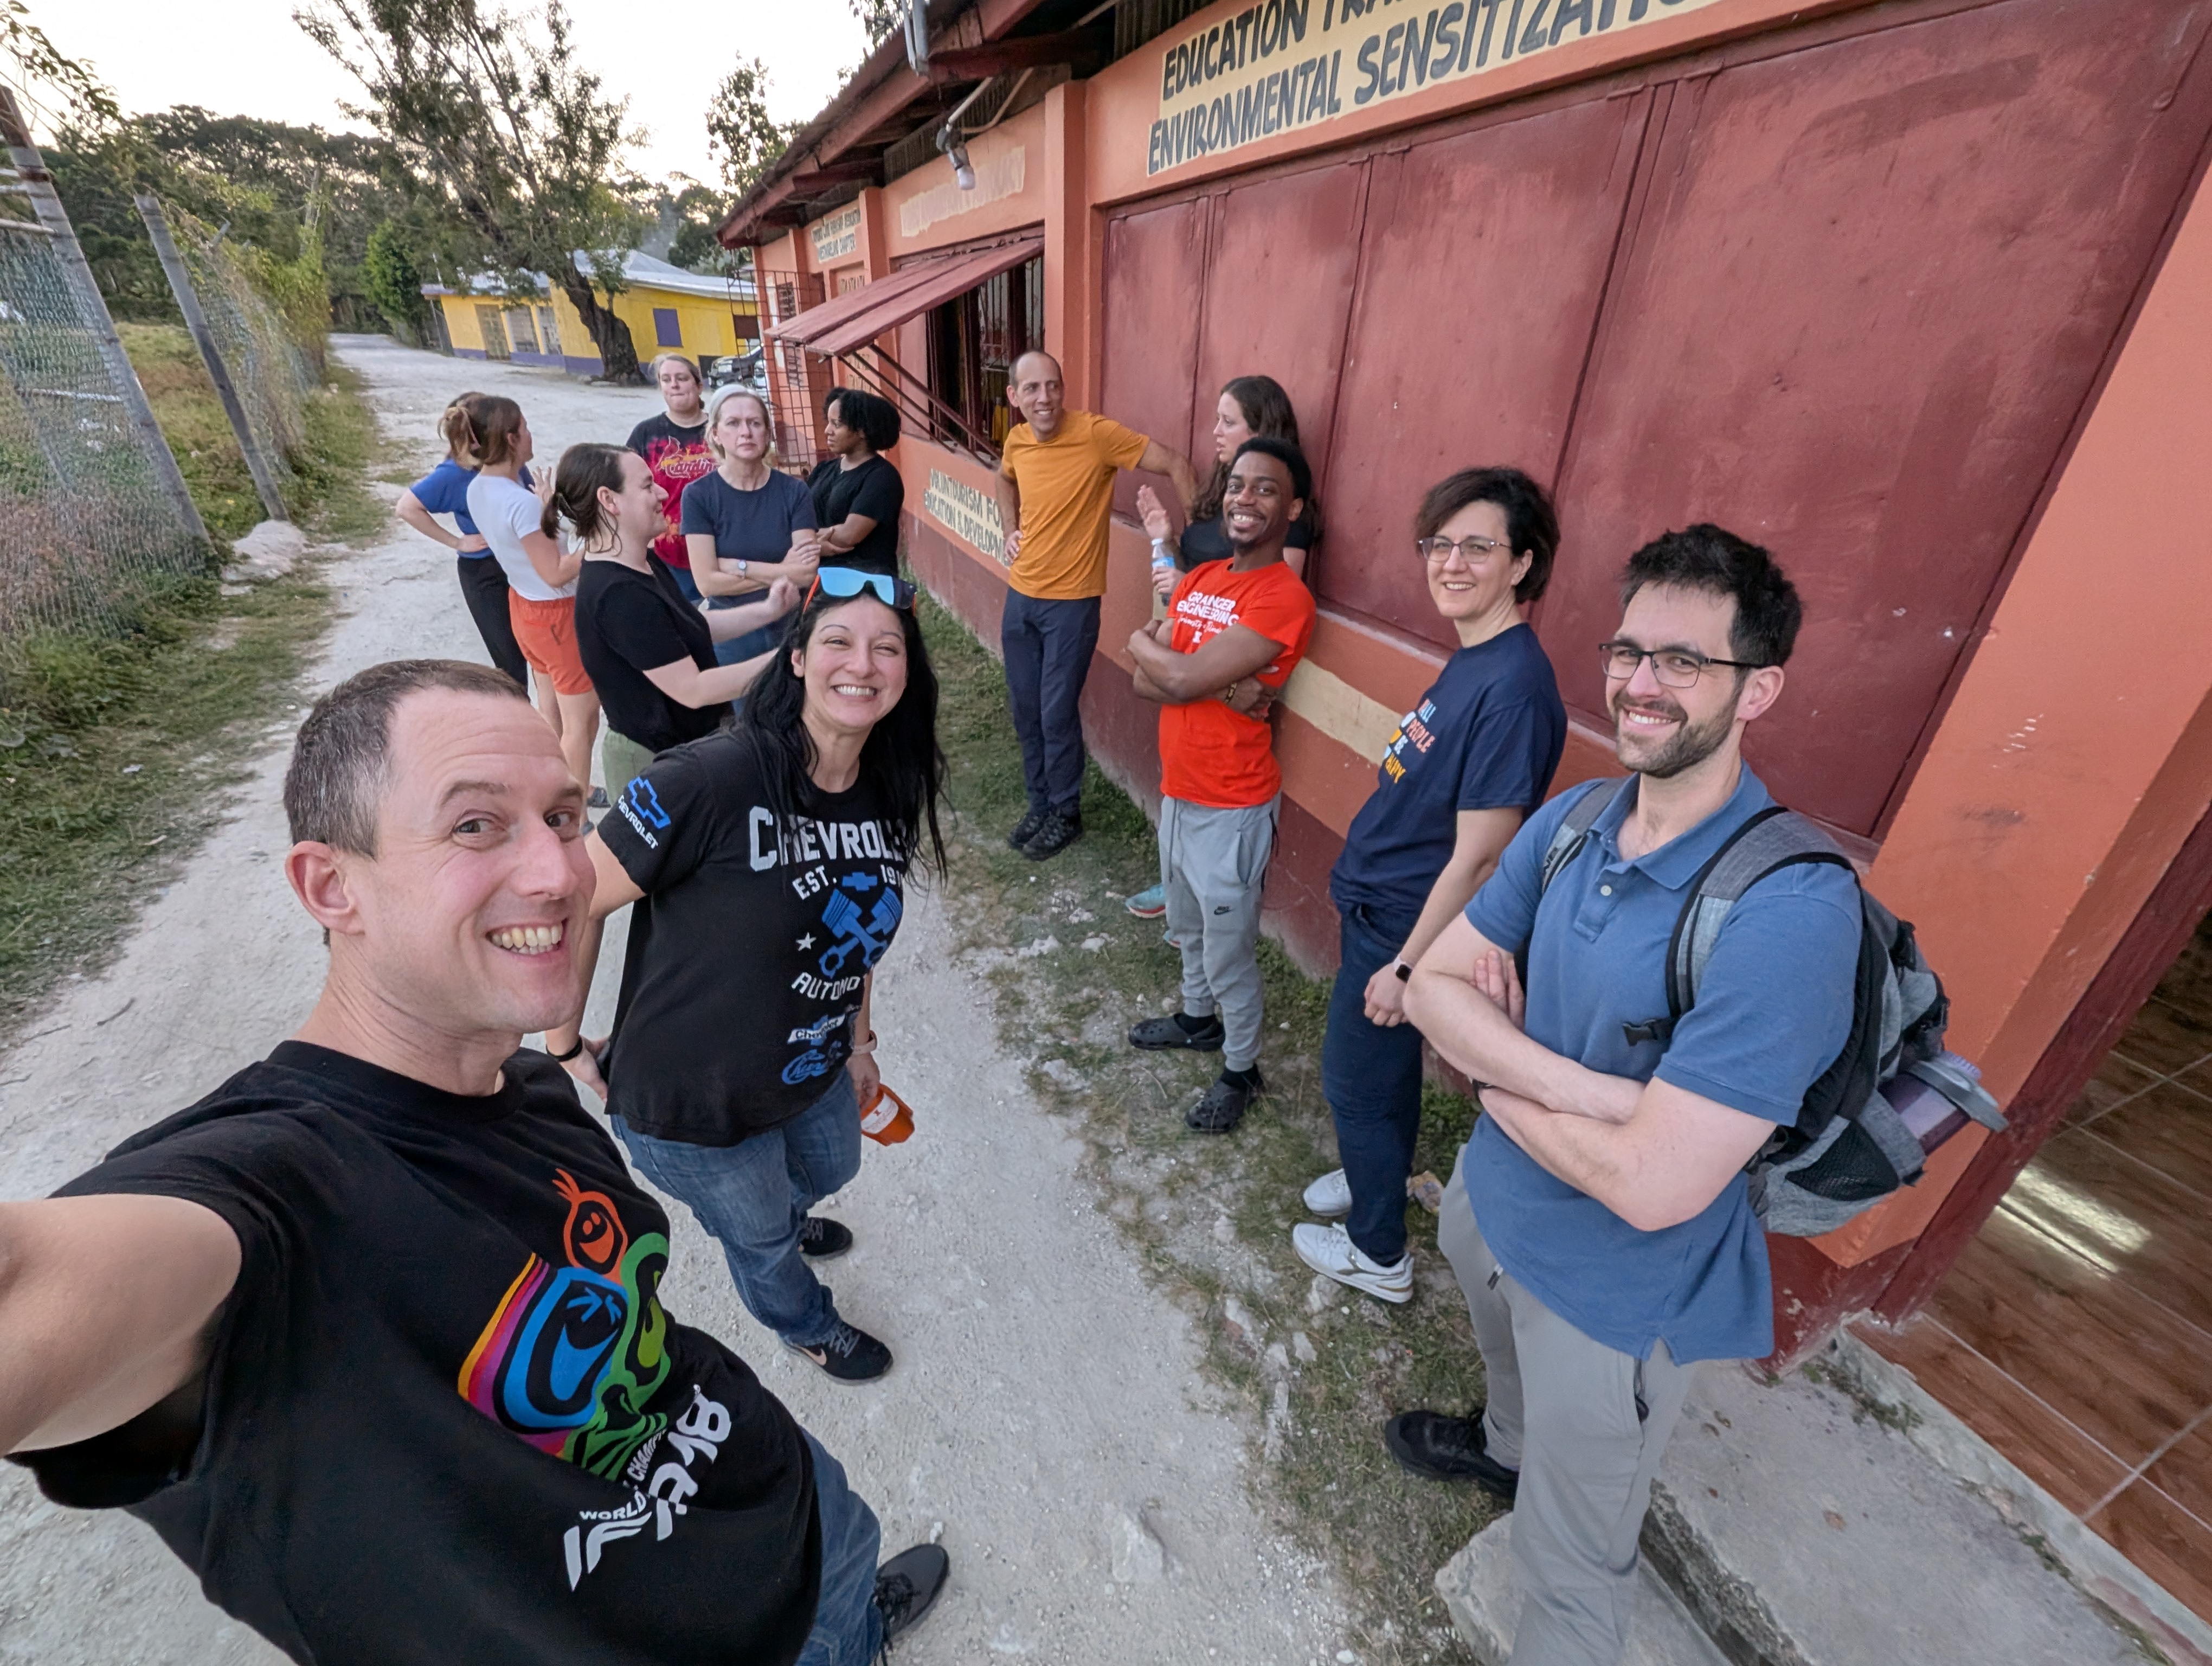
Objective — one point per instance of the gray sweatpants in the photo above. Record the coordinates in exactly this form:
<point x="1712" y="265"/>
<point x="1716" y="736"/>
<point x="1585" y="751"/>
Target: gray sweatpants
<point x="1585" y="1424"/>
<point x="1212" y="863"/>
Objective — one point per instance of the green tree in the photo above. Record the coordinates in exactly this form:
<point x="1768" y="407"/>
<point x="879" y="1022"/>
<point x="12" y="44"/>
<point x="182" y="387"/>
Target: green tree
<point x="513" y="142"/>
<point x="393" y="281"/>
<point x="743" y="139"/>
<point x="40" y="62"/>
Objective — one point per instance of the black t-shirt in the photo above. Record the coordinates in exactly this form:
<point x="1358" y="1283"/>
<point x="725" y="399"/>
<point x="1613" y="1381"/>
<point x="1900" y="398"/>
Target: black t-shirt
<point x="446" y="1417"/>
<point x="749" y="950"/>
<point x="873" y="489"/>
<point x="1208" y="540"/>
<point x="629" y="622"/>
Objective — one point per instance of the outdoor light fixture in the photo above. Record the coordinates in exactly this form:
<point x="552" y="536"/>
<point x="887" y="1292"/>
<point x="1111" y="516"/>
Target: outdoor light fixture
<point x="963" y="175"/>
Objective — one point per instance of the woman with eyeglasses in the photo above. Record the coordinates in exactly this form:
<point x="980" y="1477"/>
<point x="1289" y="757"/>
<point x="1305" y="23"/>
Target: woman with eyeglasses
<point x="1465" y="767"/>
<point x="649" y="650"/>
<point x="737" y="1081"/>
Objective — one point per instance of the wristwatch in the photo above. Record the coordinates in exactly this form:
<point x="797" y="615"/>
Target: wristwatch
<point x="1402" y="972"/>
<point x="745" y="569"/>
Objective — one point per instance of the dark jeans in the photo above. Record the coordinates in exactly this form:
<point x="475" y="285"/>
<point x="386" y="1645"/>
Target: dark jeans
<point x="1047" y="646"/>
<point x="848" y="1627"/>
<point x="484" y="588"/>
<point x="751" y="1196"/>
<point x="1371" y="1076"/>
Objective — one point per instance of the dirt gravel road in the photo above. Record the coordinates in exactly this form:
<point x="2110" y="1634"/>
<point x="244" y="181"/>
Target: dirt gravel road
<point x="1046" y="1414"/>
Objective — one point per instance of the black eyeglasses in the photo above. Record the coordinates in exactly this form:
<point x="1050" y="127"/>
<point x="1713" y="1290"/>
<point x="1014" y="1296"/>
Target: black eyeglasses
<point x="1438" y="550"/>
<point x="846" y="582"/>
<point x="1675" y="667"/>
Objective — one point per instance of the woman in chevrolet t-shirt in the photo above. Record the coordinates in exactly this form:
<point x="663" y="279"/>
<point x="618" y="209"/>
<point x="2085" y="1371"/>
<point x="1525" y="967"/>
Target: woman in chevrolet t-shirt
<point x="737" y="1081"/>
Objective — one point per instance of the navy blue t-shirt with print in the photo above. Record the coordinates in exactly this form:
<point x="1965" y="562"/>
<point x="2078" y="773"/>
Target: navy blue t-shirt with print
<point x="1773" y="1009"/>
<point x="1486" y="736"/>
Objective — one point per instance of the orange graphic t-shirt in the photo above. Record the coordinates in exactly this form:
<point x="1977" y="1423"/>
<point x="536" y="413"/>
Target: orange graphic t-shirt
<point x="1209" y="754"/>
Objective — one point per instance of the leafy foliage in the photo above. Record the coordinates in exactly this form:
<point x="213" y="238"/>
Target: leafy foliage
<point x="41" y="63"/>
<point x="265" y="181"/>
<point x="511" y="139"/>
<point x="878" y="17"/>
<point x="743" y="137"/>
<point x="392" y="279"/>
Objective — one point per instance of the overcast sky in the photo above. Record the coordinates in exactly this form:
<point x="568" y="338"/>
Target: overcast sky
<point x="248" y="58"/>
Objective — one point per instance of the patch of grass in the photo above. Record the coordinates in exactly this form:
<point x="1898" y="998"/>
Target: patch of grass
<point x="1070" y="971"/>
<point x="112" y="759"/>
<point x="115" y="751"/>
<point x="326" y="494"/>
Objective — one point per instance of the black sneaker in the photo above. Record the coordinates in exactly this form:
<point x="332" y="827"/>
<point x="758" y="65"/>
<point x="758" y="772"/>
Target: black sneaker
<point x="1160" y="1035"/>
<point x="1222" y="1106"/>
<point x="1439" y="1447"/>
<point x="1053" y="835"/>
<point x="1026" y="829"/>
<point x="598" y="800"/>
<point x="822" y="1239"/>
<point x="907" y="1587"/>
<point x="851" y="1355"/>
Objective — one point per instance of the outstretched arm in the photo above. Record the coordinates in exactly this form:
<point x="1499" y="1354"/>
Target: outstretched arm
<point x="1161" y="459"/>
<point x="106" y="1303"/>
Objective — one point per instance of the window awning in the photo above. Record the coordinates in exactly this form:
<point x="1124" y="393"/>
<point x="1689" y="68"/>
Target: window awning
<point x="854" y="320"/>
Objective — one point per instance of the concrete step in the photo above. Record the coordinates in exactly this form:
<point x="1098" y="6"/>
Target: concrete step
<point x="1480" y="1589"/>
<point x="1800" y="1528"/>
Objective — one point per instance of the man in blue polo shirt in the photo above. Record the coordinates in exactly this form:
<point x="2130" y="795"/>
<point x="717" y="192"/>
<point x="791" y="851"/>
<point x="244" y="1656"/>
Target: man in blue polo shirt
<point x="1597" y="1218"/>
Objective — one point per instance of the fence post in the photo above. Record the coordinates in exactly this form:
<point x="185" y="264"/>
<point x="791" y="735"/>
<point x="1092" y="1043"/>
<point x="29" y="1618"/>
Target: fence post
<point x="38" y="185"/>
<point x="181" y="282"/>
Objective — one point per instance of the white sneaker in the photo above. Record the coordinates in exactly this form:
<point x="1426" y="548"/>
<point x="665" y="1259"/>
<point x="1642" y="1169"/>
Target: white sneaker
<point x="1330" y="1252"/>
<point x="1331" y="1195"/>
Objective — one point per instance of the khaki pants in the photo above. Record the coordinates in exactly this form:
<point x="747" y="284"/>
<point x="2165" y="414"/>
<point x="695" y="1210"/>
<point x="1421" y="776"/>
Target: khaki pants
<point x="623" y="760"/>
<point x="1586" y="1425"/>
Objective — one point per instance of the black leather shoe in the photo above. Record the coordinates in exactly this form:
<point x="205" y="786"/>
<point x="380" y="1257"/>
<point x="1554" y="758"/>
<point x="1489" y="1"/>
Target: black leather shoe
<point x="1025" y="829"/>
<point x="1053" y="835"/>
<point x="822" y="1239"/>
<point x="1161" y="1034"/>
<point x="908" y="1586"/>
<point x="1222" y="1106"/>
<point x="1439" y="1447"/>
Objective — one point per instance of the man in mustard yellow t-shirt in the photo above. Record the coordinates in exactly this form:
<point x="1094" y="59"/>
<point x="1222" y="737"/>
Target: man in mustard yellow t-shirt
<point x="1055" y="492"/>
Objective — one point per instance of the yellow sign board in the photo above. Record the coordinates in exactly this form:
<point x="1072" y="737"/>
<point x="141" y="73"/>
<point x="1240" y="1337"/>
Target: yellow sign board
<point x="1284" y="65"/>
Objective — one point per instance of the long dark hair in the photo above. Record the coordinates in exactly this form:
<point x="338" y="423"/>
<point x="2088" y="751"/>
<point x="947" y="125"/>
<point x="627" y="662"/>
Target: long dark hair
<point x="901" y="758"/>
<point x="1268" y="413"/>
<point x="585" y="471"/>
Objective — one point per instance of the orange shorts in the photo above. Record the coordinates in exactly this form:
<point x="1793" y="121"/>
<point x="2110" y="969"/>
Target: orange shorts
<point x="546" y="632"/>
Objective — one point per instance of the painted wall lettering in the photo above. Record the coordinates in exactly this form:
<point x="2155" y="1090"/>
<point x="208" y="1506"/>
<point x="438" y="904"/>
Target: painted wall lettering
<point x="966" y="512"/>
<point x="1283" y="65"/>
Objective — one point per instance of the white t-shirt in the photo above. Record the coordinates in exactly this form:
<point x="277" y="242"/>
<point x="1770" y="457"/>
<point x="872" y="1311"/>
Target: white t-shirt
<point x="504" y="513"/>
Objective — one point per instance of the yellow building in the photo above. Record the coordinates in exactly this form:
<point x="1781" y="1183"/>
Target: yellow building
<point x="666" y="308"/>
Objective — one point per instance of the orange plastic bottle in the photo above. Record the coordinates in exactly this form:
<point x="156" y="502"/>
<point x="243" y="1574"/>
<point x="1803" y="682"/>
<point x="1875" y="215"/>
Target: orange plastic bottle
<point x="886" y="1119"/>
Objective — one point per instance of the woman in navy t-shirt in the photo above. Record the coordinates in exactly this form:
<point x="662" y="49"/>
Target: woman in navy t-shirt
<point x="1463" y="771"/>
<point x="445" y="492"/>
<point x="747" y="524"/>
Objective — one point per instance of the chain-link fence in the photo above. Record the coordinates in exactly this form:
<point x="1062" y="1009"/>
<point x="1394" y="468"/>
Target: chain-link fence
<point x="88" y="513"/>
<point x="268" y="363"/>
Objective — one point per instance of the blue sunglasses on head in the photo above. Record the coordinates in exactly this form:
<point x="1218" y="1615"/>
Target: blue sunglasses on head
<point x="847" y="583"/>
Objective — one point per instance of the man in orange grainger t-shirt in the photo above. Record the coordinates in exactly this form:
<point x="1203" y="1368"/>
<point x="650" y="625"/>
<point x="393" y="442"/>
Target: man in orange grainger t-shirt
<point x="1245" y="618"/>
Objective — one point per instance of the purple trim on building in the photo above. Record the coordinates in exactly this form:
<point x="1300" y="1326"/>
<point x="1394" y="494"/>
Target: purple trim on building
<point x="471" y="353"/>
<point x="591" y="367"/>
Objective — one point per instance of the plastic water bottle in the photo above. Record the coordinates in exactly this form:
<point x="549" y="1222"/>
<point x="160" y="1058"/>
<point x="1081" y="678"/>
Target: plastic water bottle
<point x="1162" y="563"/>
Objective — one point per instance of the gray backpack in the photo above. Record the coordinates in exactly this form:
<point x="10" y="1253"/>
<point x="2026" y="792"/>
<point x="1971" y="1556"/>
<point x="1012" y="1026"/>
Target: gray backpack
<point x="1850" y="1147"/>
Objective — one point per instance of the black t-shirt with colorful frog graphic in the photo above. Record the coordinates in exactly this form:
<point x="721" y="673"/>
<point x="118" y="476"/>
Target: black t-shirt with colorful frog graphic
<point x="446" y="1417"/>
<point x="750" y="948"/>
